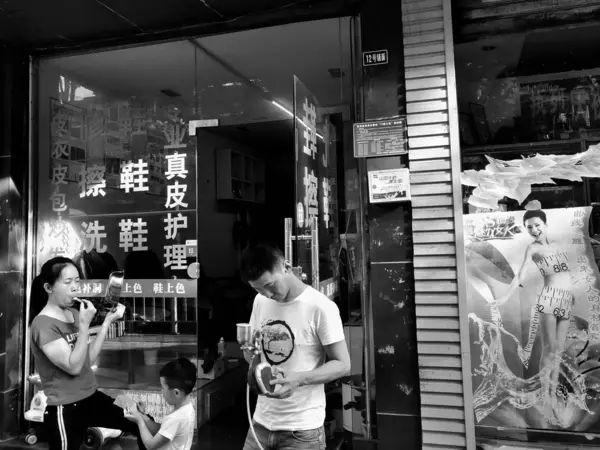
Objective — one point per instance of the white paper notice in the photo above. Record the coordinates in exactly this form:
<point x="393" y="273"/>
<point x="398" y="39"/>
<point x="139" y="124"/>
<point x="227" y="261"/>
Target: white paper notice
<point x="392" y="185"/>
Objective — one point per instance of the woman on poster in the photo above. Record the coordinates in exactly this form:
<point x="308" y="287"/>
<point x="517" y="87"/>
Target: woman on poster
<point x="555" y="301"/>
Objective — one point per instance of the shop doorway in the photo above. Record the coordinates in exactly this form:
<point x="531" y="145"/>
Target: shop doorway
<point x="263" y="184"/>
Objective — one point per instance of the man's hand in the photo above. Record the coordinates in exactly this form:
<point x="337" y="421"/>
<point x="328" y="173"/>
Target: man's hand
<point x="285" y="383"/>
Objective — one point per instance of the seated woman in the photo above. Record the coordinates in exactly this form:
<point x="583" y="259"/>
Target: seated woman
<point x="64" y="354"/>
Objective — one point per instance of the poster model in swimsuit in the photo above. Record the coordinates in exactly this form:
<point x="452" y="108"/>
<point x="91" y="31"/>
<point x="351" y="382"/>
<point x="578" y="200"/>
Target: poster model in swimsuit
<point x="533" y="295"/>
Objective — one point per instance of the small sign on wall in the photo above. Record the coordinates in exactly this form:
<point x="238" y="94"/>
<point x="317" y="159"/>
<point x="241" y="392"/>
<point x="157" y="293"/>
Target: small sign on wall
<point x="380" y="138"/>
<point x="391" y="185"/>
<point x="375" y="58"/>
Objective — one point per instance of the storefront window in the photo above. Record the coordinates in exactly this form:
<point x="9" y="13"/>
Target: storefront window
<point x="529" y="107"/>
<point x="167" y="161"/>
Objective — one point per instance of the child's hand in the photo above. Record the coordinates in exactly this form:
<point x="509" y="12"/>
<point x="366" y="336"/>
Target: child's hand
<point x="133" y="414"/>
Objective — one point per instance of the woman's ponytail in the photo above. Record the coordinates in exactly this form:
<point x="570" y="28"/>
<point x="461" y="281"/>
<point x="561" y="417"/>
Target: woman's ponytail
<point x="38" y="298"/>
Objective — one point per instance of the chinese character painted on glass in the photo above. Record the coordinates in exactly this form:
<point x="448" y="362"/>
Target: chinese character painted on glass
<point x="61" y="150"/>
<point x="87" y="288"/>
<point x="93" y="234"/>
<point x="176" y="166"/>
<point x="180" y="288"/>
<point x="175" y="135"/>
<point x="175" y="194"/>
<point x="137" y="288"/>
<point x="92" y="182"/>
<point x="58" y="175"/>
<point x="175" y="257"/>
<point x="157" y="288"/>
<point x="310" y="129"/>
<point x="96" y="288"/>
<point x="96" y="122"/>
<point x="174" y="224"/>
<point x="311" y="202"/>
<point x="326" y="196"/>
<point x="58" y="201"/>
<point x="134" y="176"/>
<point x="133" y="235"/>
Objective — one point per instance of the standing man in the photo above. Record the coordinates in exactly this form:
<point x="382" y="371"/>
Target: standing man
<point x="303" y="339"/>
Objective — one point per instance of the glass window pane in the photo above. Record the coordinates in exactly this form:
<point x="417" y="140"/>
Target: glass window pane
<point x="529" y="127"/>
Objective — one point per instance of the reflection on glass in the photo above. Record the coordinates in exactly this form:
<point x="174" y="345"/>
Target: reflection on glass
<point x="117" y="191"/>
<point x="533" y="277"/>
<point x="124" y="186"/>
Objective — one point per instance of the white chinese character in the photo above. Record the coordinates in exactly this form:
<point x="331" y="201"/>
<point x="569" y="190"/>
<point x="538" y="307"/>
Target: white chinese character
<point x="157" y="288"/>
<point x="137" y="288"/>
<point x="310" y="131"/>
<point x="169" y="288"/>
<point x="60" y="150"/>
<point x="96" y="288"/>
<point x="175" y="135"/>
<point x="175" y="257"/>
<point x="175" y="194"/>
<point x="174" y="224"/>
<point x="95" y="125"/>
<point x="311" y="202"/>
<point x="180" y="288"/>
<point x="58" y="201"/>
<point x="92" y="181"/>
<point x="126" y="288"/>
<point x="326" y="195"/>
<point x="93" y="235"/>
<point x="86" y="288"/>
<point x="133" y="233"/>
<point x="58" y="175"/>
<point x="176" y="166"/>
<point x="133" y="176"/>
<point x="60" y="122"/>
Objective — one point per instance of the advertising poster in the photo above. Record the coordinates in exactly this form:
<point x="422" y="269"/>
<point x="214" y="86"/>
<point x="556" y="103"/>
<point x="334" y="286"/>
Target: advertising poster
<point x="533" y="293"/>
<point x="392" y="185"/>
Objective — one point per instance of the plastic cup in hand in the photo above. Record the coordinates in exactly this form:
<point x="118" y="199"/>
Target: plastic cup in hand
<point x="244" y="333"/>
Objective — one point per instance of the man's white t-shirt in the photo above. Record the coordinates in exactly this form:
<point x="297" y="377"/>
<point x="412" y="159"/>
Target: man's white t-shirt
<point x="178" y="427"/>
<point x="293" y="336"/>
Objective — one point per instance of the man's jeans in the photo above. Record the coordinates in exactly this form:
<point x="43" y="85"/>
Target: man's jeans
<point x="285" y="440"/>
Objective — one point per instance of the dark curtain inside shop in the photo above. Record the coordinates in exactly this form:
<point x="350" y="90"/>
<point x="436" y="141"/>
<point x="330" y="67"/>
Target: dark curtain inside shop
<point x="14" y="101"/>
<point x="14" y="129"/>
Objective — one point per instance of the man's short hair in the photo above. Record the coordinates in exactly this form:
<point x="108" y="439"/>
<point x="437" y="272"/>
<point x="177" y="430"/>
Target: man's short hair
<point x="180" y="374"/>
<point x="259" y="259"/>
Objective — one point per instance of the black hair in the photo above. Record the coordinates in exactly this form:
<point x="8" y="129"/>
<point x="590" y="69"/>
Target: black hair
<point x="533" y="213"/>
<point x="50" y="273"/>
<point x="257" y="260"/>
<point x="180" y="374"/>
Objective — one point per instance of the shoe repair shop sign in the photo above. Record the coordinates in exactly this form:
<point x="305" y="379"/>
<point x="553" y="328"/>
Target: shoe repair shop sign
<point x="391" y="185"/>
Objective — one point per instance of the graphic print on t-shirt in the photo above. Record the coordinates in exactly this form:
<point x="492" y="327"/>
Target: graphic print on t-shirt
<point x="71" y="339"/>
<point x="278" y="341"/>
